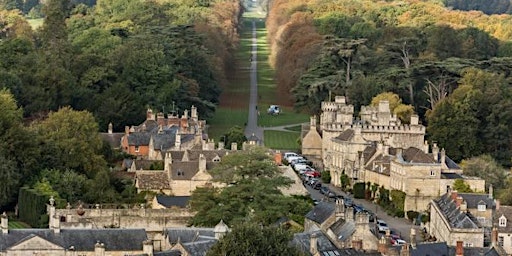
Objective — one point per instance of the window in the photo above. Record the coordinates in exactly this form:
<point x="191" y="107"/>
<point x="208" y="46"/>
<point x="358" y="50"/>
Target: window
<point x="502" y="221"/>
<point x="136" y="148"/>
<point x="481" y="207"/>
<point x="500" y="240"/>
<point x="432" y="173"/>
<point x="468" y="244"/>
<point x="481" y="220"/>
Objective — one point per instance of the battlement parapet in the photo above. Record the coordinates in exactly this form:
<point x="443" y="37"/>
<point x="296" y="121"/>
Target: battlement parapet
<point x="376" y="128"/>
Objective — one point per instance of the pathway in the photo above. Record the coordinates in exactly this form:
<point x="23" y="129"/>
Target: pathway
<point x="252" y="127"/>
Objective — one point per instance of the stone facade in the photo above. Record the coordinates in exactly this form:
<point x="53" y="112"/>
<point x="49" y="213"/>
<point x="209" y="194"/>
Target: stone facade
<point x="379" y="149"/>
<point x="451" y="222"/>
<point x="503" y="227"/>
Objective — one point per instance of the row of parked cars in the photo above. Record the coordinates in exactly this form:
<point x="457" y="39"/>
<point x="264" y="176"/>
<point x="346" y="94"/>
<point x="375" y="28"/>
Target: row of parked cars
<point x="301" y="165"/>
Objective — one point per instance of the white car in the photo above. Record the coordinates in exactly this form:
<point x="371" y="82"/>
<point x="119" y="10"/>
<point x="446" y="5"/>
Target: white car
<point x="289" y="154"/>
<point x="382" y="226"/>
<point x="274" y="110"/>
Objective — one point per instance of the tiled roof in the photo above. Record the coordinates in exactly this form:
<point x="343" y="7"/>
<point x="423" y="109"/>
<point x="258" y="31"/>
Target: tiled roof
<point x="321" y="212"/>
<point x="151" y="180"/>
<point x="473" y="200"/>
<point x="169" y="201"/>
<point x="184" y="170"/>
<point x="138" y="139"/>
<point x="81" y="239"/>
<point x="345" y="135"/>
<point x="415" y="155"/>
<point x="457" y="218"/>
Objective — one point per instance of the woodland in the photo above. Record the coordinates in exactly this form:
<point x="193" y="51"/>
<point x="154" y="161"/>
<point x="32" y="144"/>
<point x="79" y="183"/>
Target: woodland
<point x="452" y="66"/>
<point x="87" y="66"/>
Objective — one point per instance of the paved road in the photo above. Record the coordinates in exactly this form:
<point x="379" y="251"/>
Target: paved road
<point x="252" y="127"/>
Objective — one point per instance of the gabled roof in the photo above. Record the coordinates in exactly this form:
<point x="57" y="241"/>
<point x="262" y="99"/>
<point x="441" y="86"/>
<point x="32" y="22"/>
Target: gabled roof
<point x="346" y="135"/>
<point x="456" y="217"/>
<point x="138" y="139"/>
<point x="320" y="212"/>
<point x="141" y="164"/>
<point x="169" y="201"/>
<point x="474" y="199"/>
<point x="193" y="155"/>
<point x="184" y="170"/>
<point x="302" y="241"/>
<point x="479" y="251"/>
<point x="81" y="239"/>
<point x="151" y="180"/>
<point x="380" y="164"/>
<point x="426" y="249"/>
<point x="343" y="229"/>
<point x="416" y="155"/>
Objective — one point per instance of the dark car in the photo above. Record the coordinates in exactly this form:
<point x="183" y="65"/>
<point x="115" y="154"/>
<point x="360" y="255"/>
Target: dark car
<point x="317" y="185"/>
<point x="324" y="190"/>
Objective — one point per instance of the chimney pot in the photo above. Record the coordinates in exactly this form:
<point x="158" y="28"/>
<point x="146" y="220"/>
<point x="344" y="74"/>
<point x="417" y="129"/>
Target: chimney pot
<point x="454" y="195"/>
<point x="459" y="251"/>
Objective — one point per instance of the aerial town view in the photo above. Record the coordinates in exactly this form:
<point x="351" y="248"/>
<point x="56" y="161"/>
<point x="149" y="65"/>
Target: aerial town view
<point x="255" y="127"/>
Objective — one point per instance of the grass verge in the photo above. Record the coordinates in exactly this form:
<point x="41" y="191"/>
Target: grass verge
<point x="282" y="140"/>
<point x="17" y="225"/>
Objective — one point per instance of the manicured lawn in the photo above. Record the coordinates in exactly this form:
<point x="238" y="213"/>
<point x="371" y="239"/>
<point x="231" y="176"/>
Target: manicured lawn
<point x="17" y="224"/>
<point x="296" y="128"/>
<point x="282" y="140"/>
<point x="285" y="118"/>
<point x="224" y="119"/>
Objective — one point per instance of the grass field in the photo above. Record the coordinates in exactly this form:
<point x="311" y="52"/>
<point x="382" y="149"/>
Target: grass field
<point x="224" y="119"/>
<point x="282" y="140"/>
<point x="285" y="118"/>
<point x="296" y="128"/>
<point x="17" y="225"/>
<point x="35" y="23"/>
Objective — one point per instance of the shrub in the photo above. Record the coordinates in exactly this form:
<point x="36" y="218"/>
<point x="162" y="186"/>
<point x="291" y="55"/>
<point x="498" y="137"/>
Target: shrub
<point x="412" y="215"/>
<point x="359" y="189"/>
<point x="326" y="176"/>
<point x="425" y="217"/>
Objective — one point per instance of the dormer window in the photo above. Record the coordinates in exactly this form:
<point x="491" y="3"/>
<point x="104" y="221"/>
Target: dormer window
<point x="136" y="148"/>
<point x="180" y="173"/>
<point x="502" y="221"/>
<point x="481" y="207"/>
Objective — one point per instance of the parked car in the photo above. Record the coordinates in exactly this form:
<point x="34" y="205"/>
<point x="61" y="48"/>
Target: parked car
<point x="317" y="185"/>
<point x="357" y="208"/>
<point x="312" y="173"/>
<point x="292" y="158"/>
<point x="348" y="202"/>
<point x="324" y="190"/>
<point x="274" y="110"/>
<point x="289" y="154"/>
<point x="382" y="226"/>
<point x="312" y="181"/>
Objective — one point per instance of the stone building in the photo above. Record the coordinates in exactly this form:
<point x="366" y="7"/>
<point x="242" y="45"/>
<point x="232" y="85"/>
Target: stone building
<point x="158" y="134"/>
<point x="343" y="227"/>
<point x="503" y="227"/>
<point x="378" y="148"/>
<point x="450" y="221"/>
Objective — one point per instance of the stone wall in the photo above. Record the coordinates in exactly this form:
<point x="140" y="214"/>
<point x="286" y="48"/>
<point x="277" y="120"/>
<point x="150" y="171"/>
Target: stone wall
<point x="149" y="219"/>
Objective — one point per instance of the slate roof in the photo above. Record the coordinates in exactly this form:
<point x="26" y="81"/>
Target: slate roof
<point x="302" y="241"/>
<point x="199" y="248"/>
<point x="380" y="164"/>
<point x="184" y="170"/>
<point x="368" y="152"/>
<point x="473" y="200"/>
<point x="505" y="211"/>
<point x="427" y="249"/>
<point x="457" y="218"/>
<point x="193" y="155"/>
<point x="346" y="135"/>
<point x="450" y="175"/>
<point x="187" y="235"/>
<point x="151" y="180"/>
<point x="343" y="229"/>
<point x="169" y="201"/>
<point x="320" y="212"/>
<point x="168" y="253"/>
<point x="416" y="155"/>
<point x="479" y="251"/>
<point x="348" y="252"/>
<point x="81" y="239"/>
<point x="138" y="139"/>
<point x="451" y="164"/>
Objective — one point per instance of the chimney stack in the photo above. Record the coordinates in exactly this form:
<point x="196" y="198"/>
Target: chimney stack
<point x="193" y="113"/>
<point x="454" y="195"/>
<point x="312" y="122"/>
<point x="459" y="250"/>
<point x="177" y="140"/>
<point x="491" y="192"/>
<point x="494" y="236"/>
<point x="443" y="156"/>
<point x="313" y="243"/>
<point x="110" y="128"/>
<point x="234" y="146"/>
<point x="405" y="250"/>
<point x="202" y="163"/>
<point x="357" y="244"/>
<point x="99" y="249"/>
<point x="497" y="203"/>
<point x="383" y="245"/>
<point x="458" y="201"/>
<point x="5" y="224"/>
<point x="435" y="152"/>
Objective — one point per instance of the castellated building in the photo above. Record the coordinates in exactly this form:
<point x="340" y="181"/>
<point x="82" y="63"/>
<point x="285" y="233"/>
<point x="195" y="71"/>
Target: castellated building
<point x="377" y="148"/>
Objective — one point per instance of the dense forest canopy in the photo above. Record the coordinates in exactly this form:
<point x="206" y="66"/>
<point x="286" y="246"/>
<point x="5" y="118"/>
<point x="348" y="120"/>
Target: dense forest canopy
<point x="89" y="65"/>
<point x="421" y="50"/>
